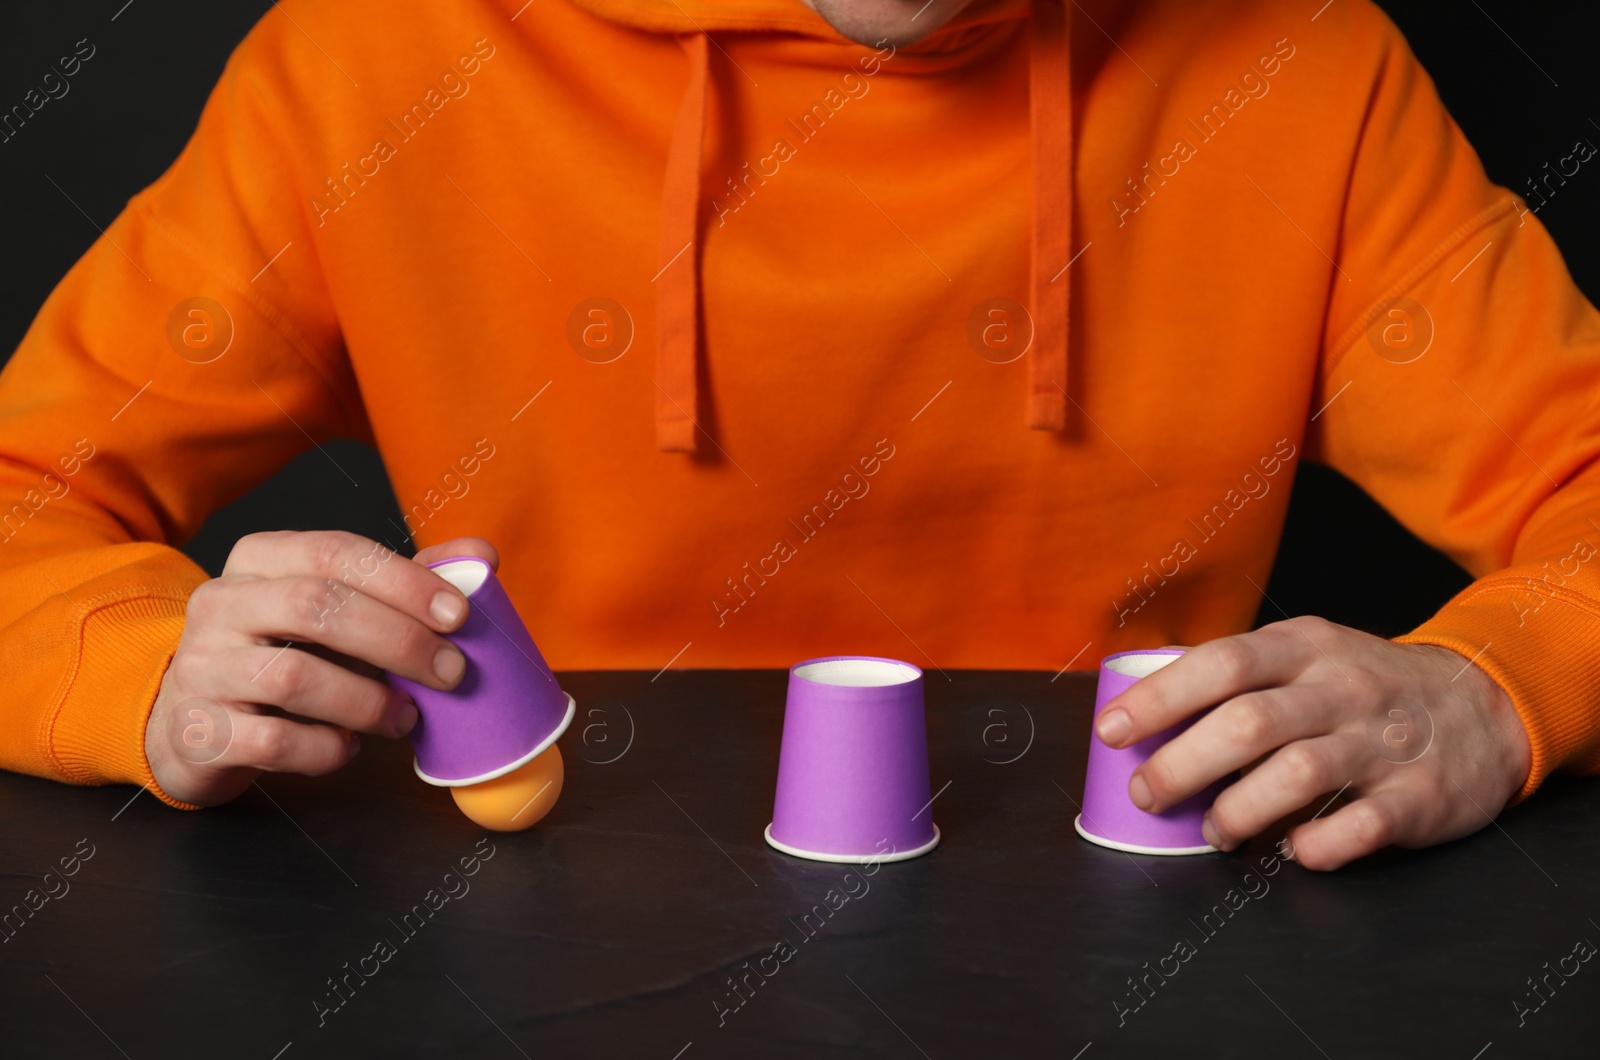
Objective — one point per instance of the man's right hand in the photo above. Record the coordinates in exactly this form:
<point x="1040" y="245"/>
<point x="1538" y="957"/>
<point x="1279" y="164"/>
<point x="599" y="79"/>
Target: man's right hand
<point x="280" y="661"/>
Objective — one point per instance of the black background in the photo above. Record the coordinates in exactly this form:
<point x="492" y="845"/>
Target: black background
<point x="1519" y="78"/>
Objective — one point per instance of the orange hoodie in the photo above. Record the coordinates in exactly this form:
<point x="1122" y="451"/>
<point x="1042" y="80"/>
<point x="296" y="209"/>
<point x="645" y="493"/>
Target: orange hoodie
<point x="745" y="343"/>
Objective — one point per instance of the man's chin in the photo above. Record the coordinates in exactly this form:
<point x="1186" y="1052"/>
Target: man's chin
<point x="886" y="22"/>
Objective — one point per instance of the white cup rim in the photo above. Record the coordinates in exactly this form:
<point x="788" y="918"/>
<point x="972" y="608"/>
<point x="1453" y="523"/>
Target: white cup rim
<point x="1140" y="663"/>
<point x="467" y="573"/>
<point x="856" y="671"/>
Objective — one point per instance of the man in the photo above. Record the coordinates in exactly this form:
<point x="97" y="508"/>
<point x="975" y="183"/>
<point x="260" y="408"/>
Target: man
<point x="984" y="333"/>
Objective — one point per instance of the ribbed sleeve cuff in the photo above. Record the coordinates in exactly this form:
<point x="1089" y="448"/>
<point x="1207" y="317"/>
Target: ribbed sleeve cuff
<point x="1544" y="650"/>
<point x="97" y="733"/>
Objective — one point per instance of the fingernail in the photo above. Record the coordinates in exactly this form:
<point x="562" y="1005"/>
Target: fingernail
<point x="449" y="665"/>
<point x="1209" y="832"/>
<point x="355" y="745"/>
<point x="1114" y="726"/>
<point x="405" y="719"/>
<point x="447" y="608"/>
<point x="1139" y="792"/>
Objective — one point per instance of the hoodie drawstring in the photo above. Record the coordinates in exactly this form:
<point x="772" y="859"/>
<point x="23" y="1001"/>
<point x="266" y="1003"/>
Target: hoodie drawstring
<point x="678" y="412"/>
<point x="678" y="282"/>
<point x="1050" y="115"/>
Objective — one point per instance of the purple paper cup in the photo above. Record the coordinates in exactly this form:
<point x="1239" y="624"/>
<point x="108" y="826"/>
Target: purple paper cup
<point x="853" y="767"/>
<point x="507" y="709"/>
<point x="1109" y="817"/>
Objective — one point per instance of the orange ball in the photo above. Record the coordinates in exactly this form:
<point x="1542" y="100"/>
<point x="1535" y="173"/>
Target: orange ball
<point x="516" y="800"/>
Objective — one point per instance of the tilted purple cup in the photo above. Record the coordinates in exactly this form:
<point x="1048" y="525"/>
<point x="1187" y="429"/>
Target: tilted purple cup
<point x="1109" y="816"/>
<point x="508" y="708"/>
<point x="853" y="769"/>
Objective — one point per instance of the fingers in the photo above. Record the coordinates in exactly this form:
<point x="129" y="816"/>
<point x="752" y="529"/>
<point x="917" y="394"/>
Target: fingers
<point x="303" y="609"/>
<point x="1296" y="776"/>
<point x="456" y="547"/>
<point x="303" y="684"/>
<point x="280" y="745"/>
<point x="1229" y="738"/>
<point x="350" y="565"/>
<point x="1353" y="831"/>
<point x="1205" y="676"/>
<point x="218" y="739"/>
<point x="339" y="658"/>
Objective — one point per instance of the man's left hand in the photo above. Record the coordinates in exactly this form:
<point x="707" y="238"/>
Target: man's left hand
<point x="1427" y="745"/>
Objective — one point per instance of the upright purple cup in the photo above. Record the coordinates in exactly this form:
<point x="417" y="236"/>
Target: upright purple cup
<point x="1109" y="817"/>
<point x="508" y="707"/>
<point x="853" y="769"/>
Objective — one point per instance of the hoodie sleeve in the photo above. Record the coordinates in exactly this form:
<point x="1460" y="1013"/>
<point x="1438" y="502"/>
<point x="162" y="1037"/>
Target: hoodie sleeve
<point x="1460" y="387"/>
<point x="190" y="353"/>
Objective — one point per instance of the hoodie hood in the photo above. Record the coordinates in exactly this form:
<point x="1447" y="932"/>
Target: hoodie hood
<point x="697" y="26"/>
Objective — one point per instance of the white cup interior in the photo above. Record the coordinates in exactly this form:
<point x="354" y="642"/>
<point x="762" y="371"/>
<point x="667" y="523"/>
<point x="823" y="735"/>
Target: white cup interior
<point x="858" y="673"/>
<point x="468" y="575"/>
<point x="1141" y="665"/>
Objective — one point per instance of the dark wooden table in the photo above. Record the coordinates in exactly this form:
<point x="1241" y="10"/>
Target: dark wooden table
<point x="633" y="922"/>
